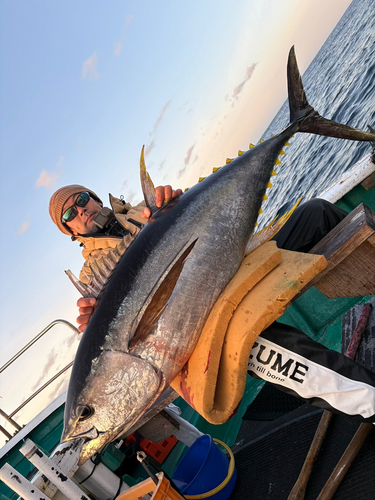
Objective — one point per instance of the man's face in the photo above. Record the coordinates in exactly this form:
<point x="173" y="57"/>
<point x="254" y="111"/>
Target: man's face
<point x="83" y="222"/>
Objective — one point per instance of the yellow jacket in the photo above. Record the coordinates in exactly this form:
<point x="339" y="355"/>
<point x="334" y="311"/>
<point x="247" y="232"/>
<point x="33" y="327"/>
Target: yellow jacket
<point x="97" y="245"/>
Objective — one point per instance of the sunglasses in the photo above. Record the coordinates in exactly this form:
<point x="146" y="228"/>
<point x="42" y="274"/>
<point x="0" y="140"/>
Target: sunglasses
<point x="71" y="212"/>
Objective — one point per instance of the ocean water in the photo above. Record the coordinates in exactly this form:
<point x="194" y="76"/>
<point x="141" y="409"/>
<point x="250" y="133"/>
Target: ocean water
<point x="340" y="85"/>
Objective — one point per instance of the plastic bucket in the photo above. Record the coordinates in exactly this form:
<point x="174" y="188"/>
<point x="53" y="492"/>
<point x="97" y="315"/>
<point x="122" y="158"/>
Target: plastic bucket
<point x="204" y="467"/>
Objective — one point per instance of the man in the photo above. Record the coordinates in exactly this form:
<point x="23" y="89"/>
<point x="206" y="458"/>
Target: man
<point x="322" y="376"/>
<point x="74" y="208"/>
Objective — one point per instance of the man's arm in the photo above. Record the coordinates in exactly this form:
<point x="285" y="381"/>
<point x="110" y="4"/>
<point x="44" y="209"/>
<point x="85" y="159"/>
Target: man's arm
<point x="87" y="306"/>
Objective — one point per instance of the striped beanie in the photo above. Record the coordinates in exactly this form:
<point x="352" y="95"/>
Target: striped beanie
<point x="58" y="200"/>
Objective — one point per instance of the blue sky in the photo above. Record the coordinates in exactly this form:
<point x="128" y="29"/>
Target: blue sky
<point x="83" y="85"/>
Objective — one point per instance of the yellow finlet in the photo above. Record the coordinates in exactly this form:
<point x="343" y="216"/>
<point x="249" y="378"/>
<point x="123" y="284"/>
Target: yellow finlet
<point x="215" y="169"/>
<point x="251" y="146"/>
<point x="273" y="172"/>
<point x="287" y="144"/>
<point x="186" y="189"/>
<point x="228" y="160"/>
<point x="262" y="140"/>
<point x="201" y="179"/>
<point x="260" y="211"/>
<point x="240" y="152"/>
<point x="269" y="185"/>
<point x="281" y="153"/>
<point x="264" y="198"/>
<point x="292" y="136"/>
<point x="277" y="162"/>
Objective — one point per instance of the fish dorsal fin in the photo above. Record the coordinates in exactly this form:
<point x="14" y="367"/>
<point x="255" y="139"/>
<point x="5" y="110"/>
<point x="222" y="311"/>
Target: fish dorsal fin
<point x="147" y="185"/>
<point x="159" y="300"/>
<point x="101" y="272"/>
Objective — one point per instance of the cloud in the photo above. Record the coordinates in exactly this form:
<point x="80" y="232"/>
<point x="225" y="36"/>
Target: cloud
<point x="181" y="172"/>
<point x="157" y="123"/>
<point x="188" y="154"/>
<point x="119" y="45"/>
<point x="186" y="161"/>
<point x="52" y="356"/>
<point x="89" y="68"/>
<point x="23" y="227"/>
<point x="149" y="148"/>
<point x="238" y="89"/>
<point x="48" y="179"/>
<point x="131" y="197"/>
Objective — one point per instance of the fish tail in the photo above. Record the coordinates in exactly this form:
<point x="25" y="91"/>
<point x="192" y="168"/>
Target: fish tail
<point x="308" y="119"/>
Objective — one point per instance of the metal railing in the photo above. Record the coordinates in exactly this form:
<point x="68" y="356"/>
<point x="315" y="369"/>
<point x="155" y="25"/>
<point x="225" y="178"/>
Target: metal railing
<point x="9" y="418"/>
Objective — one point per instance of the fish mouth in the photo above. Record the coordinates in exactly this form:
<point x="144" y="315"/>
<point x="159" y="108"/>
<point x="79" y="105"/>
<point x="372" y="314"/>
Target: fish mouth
<point x="92" y="442"/>
<point x="91" y="434"/>
<point x="95" y="444"/>
<point x="92" y="446"/>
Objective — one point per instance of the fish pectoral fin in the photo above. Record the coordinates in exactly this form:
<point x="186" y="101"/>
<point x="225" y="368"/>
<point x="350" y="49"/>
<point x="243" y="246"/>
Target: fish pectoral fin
<point x="159" y="301"/>
<point x="148" y="187"/>
<point x="101" y="272"/>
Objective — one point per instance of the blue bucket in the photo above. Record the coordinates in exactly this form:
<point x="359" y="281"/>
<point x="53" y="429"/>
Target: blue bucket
<point x="204" y="467"/>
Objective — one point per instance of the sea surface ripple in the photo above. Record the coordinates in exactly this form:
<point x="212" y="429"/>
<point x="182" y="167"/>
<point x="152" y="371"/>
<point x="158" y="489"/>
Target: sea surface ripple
<point x="340" y="85"/>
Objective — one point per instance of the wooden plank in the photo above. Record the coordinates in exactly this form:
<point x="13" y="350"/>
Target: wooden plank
<point x="348" y="275"/>
<point x="357" y="227"/>
<point x="369" y="182"/>
<point x="353" y="277"/>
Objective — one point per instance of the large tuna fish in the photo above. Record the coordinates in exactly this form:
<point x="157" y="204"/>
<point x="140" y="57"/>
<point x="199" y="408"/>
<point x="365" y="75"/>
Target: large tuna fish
<point x="154" y="307"/>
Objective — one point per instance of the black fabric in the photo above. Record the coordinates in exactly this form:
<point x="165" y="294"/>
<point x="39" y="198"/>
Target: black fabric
<point x="271" y="403"/>
<point x="309" y="223"/>
<point x="300" y="343"/>
<point x="296" y="341"/>
<point x="268" y="466"/>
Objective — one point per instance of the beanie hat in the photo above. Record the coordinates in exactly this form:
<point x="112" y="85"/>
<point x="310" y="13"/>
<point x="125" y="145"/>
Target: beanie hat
<point x="58" y="200"/>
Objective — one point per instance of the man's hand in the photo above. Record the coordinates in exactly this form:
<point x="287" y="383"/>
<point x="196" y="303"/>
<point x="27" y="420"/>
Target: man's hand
<point x="163" y="193"/>
<point x="86" y="308"/>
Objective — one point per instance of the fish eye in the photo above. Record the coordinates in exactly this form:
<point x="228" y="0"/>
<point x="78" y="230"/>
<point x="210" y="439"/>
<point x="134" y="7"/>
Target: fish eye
<point x="84" y="412"/>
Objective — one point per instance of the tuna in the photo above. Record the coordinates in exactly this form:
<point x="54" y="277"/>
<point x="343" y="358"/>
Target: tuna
<point x="152" y="311"/>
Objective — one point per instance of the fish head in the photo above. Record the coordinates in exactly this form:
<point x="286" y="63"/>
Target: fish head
<point x="118" y="390"/>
